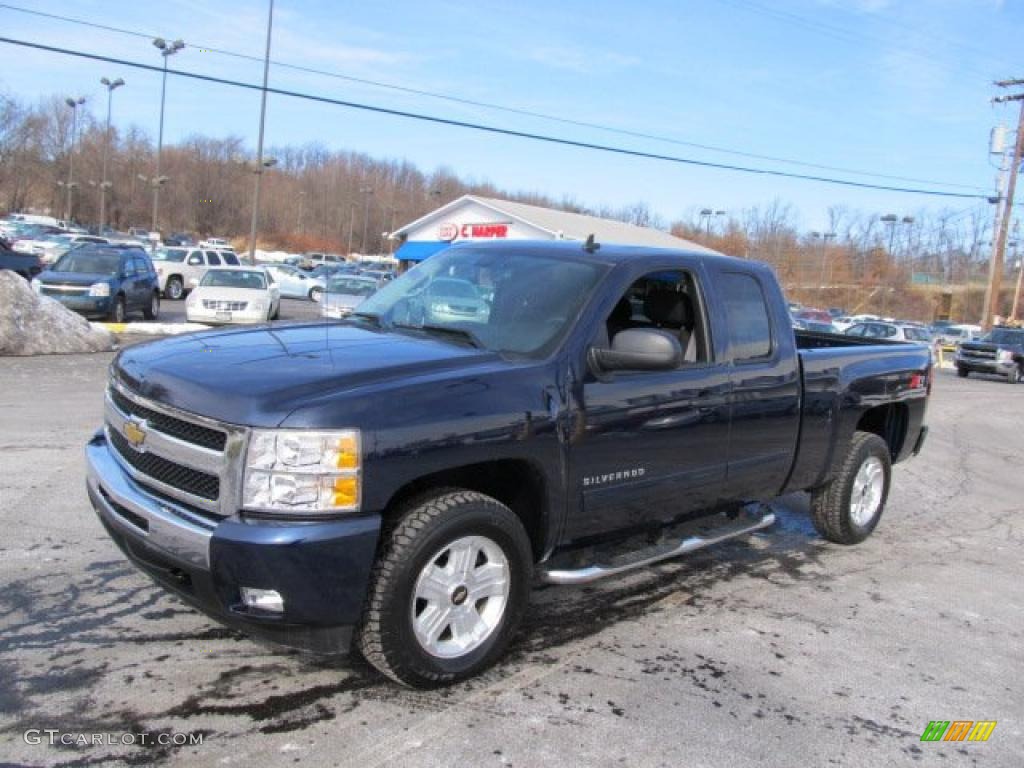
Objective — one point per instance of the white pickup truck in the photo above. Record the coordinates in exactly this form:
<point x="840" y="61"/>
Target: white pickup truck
<point x="179" y="269"/>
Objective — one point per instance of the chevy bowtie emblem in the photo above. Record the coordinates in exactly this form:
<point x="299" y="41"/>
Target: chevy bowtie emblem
<point x="135" y="432"/>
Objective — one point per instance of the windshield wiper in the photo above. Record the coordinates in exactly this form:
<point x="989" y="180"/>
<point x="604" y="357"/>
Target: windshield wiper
<point x="446" y="330"/>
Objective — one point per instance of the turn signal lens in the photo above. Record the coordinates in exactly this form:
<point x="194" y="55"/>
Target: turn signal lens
<point x="346" y="491"/>
<point x="347" y="456"/>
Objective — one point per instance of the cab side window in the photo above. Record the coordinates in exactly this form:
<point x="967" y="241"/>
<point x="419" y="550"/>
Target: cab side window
<point x="195" y="259"/>
<point x="746" y="312"/>
<point x="668" y="301"/>
<point x="212" y="259"/>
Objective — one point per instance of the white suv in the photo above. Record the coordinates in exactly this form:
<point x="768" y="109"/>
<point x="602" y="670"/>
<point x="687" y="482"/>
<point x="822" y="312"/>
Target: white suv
<point x="180" y="269"/>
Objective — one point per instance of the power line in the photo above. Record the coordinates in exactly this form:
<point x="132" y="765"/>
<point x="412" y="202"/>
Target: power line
<point x="845" y="34"/>
<point x="491" y="128"/>
<point x="505" y="108"/>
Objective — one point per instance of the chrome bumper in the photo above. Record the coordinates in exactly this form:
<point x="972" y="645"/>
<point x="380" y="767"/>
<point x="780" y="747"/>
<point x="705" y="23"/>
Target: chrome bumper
<point x="166" y="528"/>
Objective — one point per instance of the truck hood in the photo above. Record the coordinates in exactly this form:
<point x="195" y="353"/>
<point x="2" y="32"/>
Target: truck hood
<point x="257" y="377"/>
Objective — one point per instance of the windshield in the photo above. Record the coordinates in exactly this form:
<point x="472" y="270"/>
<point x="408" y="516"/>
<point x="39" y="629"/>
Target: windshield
<point x="86" y="262"/>
<point x="169" y="254"/>
<point x="235" y="278"/>
<point x="1005" y="336"/>
<point x="532" y="300"/>
<point x="351" y="287"/>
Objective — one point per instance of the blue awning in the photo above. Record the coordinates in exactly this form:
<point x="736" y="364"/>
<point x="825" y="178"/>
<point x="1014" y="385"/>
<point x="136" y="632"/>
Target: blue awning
<point x="418" y="250"/>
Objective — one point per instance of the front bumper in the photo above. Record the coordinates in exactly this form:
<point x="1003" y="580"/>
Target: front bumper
<point x="984" y="365"/>
<point x="321" y="570"/>
<point x="92" y="306"/>
<point x="210" y="316"/>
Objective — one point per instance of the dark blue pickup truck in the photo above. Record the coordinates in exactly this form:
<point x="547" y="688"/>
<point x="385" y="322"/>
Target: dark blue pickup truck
<point x="500" y="415"/>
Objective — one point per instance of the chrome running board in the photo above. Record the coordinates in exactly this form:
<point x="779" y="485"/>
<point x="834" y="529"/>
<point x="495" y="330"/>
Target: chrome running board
<point x="705" y="536"/>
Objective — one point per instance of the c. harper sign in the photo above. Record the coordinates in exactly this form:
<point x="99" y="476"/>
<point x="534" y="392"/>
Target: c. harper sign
<point x="451" y="231"/>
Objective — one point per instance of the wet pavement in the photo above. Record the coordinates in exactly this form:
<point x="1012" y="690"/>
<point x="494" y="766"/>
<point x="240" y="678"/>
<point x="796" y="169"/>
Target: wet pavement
<point x="779" y="649"/>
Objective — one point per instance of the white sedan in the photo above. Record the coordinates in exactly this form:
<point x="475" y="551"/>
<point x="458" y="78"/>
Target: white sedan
<point x="234" y="295"/>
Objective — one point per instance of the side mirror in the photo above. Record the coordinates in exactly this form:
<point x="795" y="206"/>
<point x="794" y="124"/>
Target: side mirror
<point x="638" y="349"/>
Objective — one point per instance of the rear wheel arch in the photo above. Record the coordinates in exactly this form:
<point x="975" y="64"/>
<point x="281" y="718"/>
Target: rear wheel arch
<point x="890" y="422"/>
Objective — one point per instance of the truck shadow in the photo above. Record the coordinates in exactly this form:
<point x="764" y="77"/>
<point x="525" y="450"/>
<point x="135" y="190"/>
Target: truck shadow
<point x="64" y="635"/>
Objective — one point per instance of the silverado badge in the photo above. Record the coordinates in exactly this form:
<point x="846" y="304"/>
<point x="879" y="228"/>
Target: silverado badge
<point x="135" y="432"/>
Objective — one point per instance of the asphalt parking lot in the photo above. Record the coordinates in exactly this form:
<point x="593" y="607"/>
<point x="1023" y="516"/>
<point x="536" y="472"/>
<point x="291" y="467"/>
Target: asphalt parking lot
<point x="777" y="650"/>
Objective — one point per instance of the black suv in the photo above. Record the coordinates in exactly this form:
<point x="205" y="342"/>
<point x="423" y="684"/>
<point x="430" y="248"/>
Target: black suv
<point x="1000" y="352"/>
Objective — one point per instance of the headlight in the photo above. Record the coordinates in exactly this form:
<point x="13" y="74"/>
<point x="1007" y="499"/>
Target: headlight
<point x="99" y="289"/>
<point x="302" y="472"/>
<point x="37" y="285"/>
<point x="1004" y="356"/>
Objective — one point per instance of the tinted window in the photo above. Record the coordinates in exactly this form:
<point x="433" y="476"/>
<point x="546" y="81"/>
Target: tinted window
<point x="230" y="258"/>
<point x="1004" y="336"/>
<point x="212" y="259"/>
<point x="856" y="330"/>
<point x="750" y="333"/>
<point x="89" y="261"/>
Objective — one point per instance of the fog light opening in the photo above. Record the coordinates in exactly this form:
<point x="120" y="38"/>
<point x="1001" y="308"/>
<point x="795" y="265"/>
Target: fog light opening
<point x="263" y="599"/>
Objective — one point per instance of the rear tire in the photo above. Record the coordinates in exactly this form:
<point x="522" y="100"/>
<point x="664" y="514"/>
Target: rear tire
<point x="847" y="510"/>
<point x="315" y="294"/>
<point x="448" y="589"/>
<point x="175" y="289"/>
<point x="153" y="311"/>
<point x="962" y="372"/>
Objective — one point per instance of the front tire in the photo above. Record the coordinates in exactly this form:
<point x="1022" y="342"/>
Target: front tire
<point x="175" y="289"/>
<point x="117" y="312"/>
<point x="962" y="372"/>
<point x="847" y="510"/>
<point x="447" y="591"/>
<point x="1014" y="376"/>
<point x="315" y="294"/>
<point x="153" y="311"/>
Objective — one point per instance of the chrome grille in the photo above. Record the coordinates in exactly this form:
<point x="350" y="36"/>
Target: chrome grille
<point x="64" y="290"/>
<point x="176" y="455"/>
<point x="980" y="354"/>
<point x="183" y="430"/>
<point x="190" y="481"/>
<point x="225" y="306"/>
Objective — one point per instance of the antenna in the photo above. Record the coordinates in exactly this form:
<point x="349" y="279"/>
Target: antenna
<point x="590" y="246"/>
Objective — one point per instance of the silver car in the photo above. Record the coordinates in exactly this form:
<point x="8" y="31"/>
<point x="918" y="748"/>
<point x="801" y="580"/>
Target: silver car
<point x="296" y="283"/>
<point x="346" y="292"/>
<point x="450" y="300"/>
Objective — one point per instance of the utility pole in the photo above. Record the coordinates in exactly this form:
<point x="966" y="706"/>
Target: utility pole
<point x="999" y="246"/>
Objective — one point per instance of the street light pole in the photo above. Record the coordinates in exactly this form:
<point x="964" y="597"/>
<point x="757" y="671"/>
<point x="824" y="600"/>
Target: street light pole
<point x="351" y="226"/>
<point x="111" y="87"/>
<point x="74" y="104"/>
<point x="166" y="50"/>
<point x="259" y="142"/>
<point x="367" y="191"/>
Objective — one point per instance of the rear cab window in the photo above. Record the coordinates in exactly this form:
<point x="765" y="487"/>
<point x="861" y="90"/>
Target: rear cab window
<point x="747" y="318"/>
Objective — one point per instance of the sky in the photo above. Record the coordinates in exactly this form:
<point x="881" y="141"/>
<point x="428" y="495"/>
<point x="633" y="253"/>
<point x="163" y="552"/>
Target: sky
<point x="894" y="87"/>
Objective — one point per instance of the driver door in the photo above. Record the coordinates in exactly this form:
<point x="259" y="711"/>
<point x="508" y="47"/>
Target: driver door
<point x="650" y="446"/>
